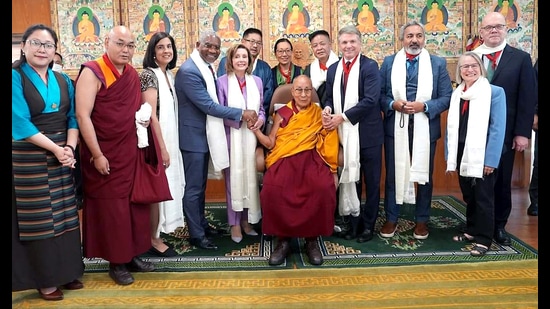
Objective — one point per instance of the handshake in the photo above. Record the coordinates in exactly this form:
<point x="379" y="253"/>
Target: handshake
<point x="251" y="118"/>
<point x="250" y="115"/>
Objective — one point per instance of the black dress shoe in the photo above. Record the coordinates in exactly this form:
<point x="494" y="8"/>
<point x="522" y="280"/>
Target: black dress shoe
<point x="120" y="274"/>
<point x="280" y="253"/>
<point x="365" y="236"/>
<point x="533" y="210"/>
<point x="209" y="232"/>
<point x="313" y="252"/>
<point x="139" y="265"/>
<point x="203" y="243"/>
<point x="502" y="237"/>
<point x="350" y="234"/>
<point x="167" y="253"/>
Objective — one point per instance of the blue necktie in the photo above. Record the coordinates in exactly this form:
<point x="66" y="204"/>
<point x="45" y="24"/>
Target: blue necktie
<point x="411" y="69"/>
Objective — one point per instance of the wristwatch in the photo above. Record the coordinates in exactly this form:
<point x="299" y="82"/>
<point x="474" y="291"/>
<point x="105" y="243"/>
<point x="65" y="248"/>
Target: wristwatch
<point x="425" y="107"/>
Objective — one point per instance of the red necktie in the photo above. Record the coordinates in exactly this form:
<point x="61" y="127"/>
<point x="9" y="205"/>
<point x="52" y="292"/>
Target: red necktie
<point x="322" y="66"/>
<point x="493" y="57"/>
<point x="347" y="67"/>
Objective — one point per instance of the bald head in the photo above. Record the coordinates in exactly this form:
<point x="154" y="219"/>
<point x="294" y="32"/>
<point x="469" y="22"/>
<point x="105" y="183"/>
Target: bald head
<point x="120" y="45"/>
<point x="120" y="31"/>
<point x="493" y="29"/>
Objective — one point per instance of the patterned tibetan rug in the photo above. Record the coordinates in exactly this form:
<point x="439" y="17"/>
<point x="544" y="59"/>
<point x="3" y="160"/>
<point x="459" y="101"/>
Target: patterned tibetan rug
<point x="252" y="253"/>
<point x="497" y="284"/>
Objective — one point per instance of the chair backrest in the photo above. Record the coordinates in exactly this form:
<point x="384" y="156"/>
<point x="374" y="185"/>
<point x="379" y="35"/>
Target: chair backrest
<point x="283" y="94"/>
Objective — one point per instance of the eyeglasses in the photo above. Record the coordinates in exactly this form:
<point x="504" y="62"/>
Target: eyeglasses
<point x="252" y="42"/>
<point x="212" y="46"/>
<point x="468" y="66"/>
<point x="305" y="90"/>
<point x="35" y="44"/>
<point x="283" y="51"/>
<point x="121" y="45"/>
<point x="491" y="27"/>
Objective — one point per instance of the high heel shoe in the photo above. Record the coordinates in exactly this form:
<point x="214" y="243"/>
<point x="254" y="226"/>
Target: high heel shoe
<point x="236" y="234"/>
<point x="248" y="229"/>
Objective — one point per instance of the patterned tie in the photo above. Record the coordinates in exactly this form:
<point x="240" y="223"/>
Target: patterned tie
<point x="214" y="76"/>
<point x="493" y="57"/>
<point x="212" y="70"/>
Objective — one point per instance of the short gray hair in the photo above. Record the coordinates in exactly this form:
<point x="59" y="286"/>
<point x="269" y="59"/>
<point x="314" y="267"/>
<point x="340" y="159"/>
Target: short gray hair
<point x="407" y="25"/>
<point x="207" y="34"/>
<point x="349" y="29"/>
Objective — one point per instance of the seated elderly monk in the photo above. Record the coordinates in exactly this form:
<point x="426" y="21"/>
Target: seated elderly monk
<point x="298" y="196"/>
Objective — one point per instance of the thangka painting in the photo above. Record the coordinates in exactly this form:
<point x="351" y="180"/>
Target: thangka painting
<point x="294" y="20"/>
<point x="376" y="20"/>
<point x="519" y="15"/>
<point x="146" y="18"/>
<point x="444" y="24"/>
<point x="228" y="18"/>
<point x="81" y="26"/>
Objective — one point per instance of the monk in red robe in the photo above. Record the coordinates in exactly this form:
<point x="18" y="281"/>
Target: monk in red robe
<point x="108" y="95"/>
<point x="298" y="195"/>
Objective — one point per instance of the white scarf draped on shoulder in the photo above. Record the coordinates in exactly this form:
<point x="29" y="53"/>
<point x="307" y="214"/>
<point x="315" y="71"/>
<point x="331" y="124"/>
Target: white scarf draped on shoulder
<point x="319" y="76"/>
<point x="348" y="134"/>
<point x="243" y="174"/>
<point x="473" y="158"/>
<point x="415" y="168"/>
<point x="170" y="212"/>
<point x="215" y="132"/>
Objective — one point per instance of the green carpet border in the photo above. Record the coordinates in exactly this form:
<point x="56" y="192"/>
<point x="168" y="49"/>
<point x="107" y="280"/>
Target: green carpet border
<point x="204" y="260"/>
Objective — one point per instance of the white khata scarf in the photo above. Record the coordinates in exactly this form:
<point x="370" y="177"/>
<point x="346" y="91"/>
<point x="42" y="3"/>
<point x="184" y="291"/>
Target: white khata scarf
<point x="243" y="174"/>
<point x="170" y="212"/>
<point x="215" y="132"/>
<point x="473" y="159"/>
<point x="416" y="168"/>
<point x="349" y="139"/>
<point x="319" y="76"/>
<point x="484" y="50"/>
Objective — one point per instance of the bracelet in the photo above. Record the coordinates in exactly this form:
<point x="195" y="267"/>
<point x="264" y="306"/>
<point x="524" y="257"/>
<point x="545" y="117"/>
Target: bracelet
<point x="71" y="147"/>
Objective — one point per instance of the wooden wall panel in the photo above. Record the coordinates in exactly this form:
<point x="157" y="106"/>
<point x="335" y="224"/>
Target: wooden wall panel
<point x="27" y="12"/>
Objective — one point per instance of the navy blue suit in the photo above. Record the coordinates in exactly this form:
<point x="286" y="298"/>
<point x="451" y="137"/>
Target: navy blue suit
<point x="194" y="103"/>
<point x="368" y="115"/>
<point x="516" y="75"/>
<point x="439" y="102"/>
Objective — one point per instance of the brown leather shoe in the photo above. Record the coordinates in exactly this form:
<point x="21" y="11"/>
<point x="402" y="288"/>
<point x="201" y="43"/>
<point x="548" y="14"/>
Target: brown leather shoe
<point x="139" y="265"/>
<point x="74" y="285"/>
<point x="421" y="230"/>
<point x="388" y="229"/>
<point x="281" y="252"/>
<point x="313" y="252"/>
<point x="120" y="274"/>
<point x="55" y="295"/>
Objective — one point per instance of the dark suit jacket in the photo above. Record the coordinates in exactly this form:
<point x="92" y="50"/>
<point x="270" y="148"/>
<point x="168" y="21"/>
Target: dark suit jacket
<point x="516" y="75"/>
<point x="440" y="101"/>
<point x="194" y="103"/>
<point x="367" y="111"/>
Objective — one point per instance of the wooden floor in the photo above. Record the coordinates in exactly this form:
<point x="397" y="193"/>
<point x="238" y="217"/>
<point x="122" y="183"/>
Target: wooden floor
<point x="519" y="224"/>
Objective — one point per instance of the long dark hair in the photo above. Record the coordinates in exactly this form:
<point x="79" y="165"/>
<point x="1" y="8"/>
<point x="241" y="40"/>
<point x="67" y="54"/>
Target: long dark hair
<point x="149" y="58"/>
<point x="25" y="37"/>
